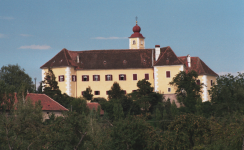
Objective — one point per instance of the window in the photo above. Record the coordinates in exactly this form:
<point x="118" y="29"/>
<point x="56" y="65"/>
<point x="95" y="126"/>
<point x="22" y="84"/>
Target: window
<point x="96" y="77"/>
<point x="107" y="92"/>
<point x="147" y="76"/>
<point x="85" y="78"/>
<point x="134" y="42"/>
<point x="211" y="82"/>
<point x="134" y="91"/>
<point x="134" y="76"/>
<point x="198" y="82"/>
<point x="141" y="42"/>
<point x="122" y="77"/>
<point x="96" y="92"/>
<point x="108" y="77"/>
<point x="74" y="78"/>
<point x="168" y="74"/>
<point x="169" y="89"/>
<point x="61" y="78"/>
<point x="82" y="92"/>
<point x="124" y="91"/>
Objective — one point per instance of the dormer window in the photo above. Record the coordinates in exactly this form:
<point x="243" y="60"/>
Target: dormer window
<point x="134" y="42"/>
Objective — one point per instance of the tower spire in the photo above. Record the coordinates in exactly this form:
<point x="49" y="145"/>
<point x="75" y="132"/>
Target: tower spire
<point x="136" y="19"/>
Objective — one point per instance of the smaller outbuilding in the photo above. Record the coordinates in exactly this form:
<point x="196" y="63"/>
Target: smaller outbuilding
<point x="49" y="105"/>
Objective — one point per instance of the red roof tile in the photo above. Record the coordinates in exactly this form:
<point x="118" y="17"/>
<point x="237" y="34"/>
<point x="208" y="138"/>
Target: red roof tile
<point x="167" y="57"/>
<point x="46" y="102"/>
<point x="197" y="65"/>
<point x="95" y="106"/>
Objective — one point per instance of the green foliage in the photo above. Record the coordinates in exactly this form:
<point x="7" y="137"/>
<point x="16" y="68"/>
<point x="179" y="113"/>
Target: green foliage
<point x="22" y="128"/>
<point x="145" y="97"/>
<point x="188" y="92"/>
<point x="116" y="92"/>
<point x="227" y="96"/>
<point x="134" y="133"/>
<point x="16" y="79"/>
<point x="88" y="93"/>
<point x="187" y="132"/>
<point x="79" y="105"/>
<point x="68" y="132"/>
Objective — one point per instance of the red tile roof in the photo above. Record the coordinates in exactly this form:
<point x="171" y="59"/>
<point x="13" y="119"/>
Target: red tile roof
<point x="46" y="102"/>
<point x="103" y="59"/>
<point x="95" y="106"/>
<point x="167" y="57"/>
<point x="197" y="65"/>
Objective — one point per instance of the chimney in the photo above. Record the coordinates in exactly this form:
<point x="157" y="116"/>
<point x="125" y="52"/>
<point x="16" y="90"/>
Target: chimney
<point x="77" y="58"/>
<point x="189" y="61"/>
<point x="157" y="52"/>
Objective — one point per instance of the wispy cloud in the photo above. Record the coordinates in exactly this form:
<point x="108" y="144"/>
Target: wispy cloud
<point x="109" y="38"/>
<point x="232" y="73"/>
<point x="25" y="35"/>
<point x="6" y="18"/>
<point x="42" y="47"/>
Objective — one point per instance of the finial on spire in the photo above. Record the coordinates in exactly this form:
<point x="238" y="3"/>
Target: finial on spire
<point x="136" y="19"/>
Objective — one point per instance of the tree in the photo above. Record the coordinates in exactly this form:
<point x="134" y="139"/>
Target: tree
<point x="145" y="97"/>
<point x="22" y="128"/>
<point x="134" y="133"/>
<point x="79" y="105"/>
<point x="188" y="91"/>
<point x="51" y="89"/>
<point x="187" y="131"/>
<point x="88" y="93"/>
<point x="16" y="79"/>
<point x="116" y="92"/>
<point x="227" y="96"/>
<point x="50" y="84"/>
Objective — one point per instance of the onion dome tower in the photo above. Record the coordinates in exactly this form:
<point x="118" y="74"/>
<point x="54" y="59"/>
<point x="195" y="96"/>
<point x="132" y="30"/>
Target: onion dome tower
<point x="136" y="40"/>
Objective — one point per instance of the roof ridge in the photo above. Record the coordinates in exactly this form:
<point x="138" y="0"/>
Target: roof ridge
<point x="66" y="57"/>
<point x="161" y="55"/>
<point x="53" y="57"/>
<point x="55" y="101"/>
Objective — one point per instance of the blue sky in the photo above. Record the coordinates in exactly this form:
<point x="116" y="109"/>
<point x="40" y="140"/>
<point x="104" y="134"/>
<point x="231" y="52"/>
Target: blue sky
<point x="33" y="31"/>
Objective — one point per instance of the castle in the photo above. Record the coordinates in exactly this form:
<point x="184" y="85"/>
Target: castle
<point x="99" y="69"/>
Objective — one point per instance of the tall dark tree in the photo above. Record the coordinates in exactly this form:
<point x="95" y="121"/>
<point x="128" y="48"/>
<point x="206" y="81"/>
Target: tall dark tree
<point x="145" y="97"/>
<point x="88" y="93"/>
<point x="51" y="88"/>
<point x="188" y="91"/>
<point x="16" y="79"/>
<point x="116" y="92"/>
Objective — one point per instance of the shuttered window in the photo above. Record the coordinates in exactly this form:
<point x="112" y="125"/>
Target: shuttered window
<point x="61" y="78"/>
<point x="168" y="74"/>
<point x="147" y="76"/>
<point x="96" y="92"/>
<point x="122" y="77"/>
<point x="73" y="78"/>
<point x="134" y="76"/>
<point x="108" y="77"/>
<point x="85" y="77"/>
<point x="96" y="77"/>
